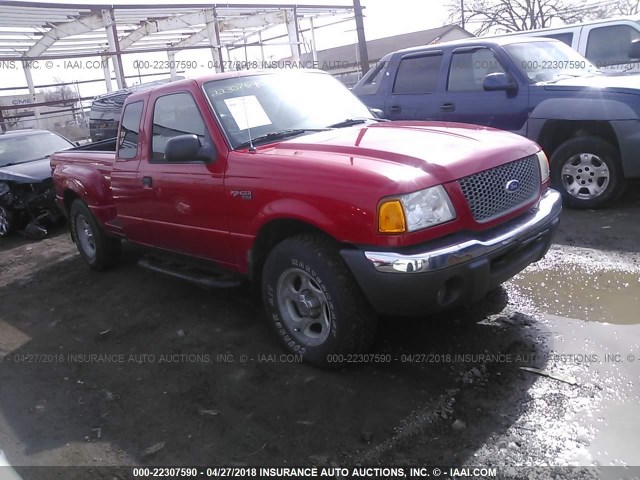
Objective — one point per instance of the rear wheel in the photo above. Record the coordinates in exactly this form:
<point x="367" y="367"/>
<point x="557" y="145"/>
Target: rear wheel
<point x="314" y="303"/>
<point x="97" y="249"/>
<point x="588" y="173"/>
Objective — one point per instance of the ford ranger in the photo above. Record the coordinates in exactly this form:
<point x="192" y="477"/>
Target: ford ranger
<point x="287" y="180"/>
<point x="588" y="123"/>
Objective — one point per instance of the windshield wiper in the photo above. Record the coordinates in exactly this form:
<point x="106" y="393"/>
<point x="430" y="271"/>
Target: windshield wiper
<point x="269" y="137"/>
<point x="356" y="121"/>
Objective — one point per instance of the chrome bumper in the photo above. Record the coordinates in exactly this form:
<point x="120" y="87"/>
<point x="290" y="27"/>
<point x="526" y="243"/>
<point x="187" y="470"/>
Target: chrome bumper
<point x="549" y="206"/>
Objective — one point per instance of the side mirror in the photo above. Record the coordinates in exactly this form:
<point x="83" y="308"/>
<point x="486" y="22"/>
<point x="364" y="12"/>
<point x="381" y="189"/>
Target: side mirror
<point x="498" y="81"/>
<point x="186" y="148"/>
<point x="634" y="49"/>
<point x="376" y="112"/>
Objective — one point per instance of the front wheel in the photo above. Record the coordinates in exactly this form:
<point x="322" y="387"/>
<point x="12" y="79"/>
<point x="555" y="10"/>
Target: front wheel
<point x="587" y="171"/>
<point x="97" y="249"/>
<point x="313" y="302"/>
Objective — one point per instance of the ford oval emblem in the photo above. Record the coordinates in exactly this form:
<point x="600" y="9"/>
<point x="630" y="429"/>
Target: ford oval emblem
<point x="512" y="186"/>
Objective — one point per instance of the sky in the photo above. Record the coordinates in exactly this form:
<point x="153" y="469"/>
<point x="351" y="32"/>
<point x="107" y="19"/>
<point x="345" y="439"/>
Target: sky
<point x="382" y="18"/>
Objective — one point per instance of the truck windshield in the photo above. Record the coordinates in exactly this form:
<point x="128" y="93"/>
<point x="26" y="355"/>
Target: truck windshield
<point x="259" y="105"/>
<point x="549" y="61"/>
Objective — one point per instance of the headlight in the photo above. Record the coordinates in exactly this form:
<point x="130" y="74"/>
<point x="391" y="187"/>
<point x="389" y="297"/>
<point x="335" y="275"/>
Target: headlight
<point x="416" y="211"/>
<point x="544" y="166"/>
<point x="4" y="188"/>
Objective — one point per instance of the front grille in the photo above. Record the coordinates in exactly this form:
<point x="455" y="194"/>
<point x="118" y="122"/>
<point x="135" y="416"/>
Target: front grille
<point x="486" y="192"/>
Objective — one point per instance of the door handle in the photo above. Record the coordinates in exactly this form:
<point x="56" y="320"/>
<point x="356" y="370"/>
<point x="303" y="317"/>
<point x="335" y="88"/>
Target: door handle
<point x="395" y="109"/>
<point x="448" y="107"/>
<point x="147" y="182"/>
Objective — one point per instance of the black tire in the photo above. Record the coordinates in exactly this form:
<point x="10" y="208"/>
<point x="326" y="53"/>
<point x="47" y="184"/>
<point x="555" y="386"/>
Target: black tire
<point x="7" y="223"/>
<point x="351" y="320"/>
<point x="576" y="186"/>
<point x="106" y="251"/>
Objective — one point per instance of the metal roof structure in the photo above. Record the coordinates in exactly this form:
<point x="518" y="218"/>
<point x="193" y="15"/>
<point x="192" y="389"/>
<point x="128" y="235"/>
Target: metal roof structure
<point x="38" y="31"/>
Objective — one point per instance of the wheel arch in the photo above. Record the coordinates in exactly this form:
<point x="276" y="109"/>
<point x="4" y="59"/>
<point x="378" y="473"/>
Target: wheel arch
<point x="556" y="132"/>
<point x="272" y="233"/>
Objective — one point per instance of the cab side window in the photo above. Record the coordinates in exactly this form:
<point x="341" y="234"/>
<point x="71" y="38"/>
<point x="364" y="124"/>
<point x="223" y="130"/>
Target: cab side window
<point x="610" y="45"/>
<point x="469" y="69"/>
<point x="566" y="37"/>
<point x="371" y="84"/>
<point x="417" y="74"/>
<point x="175" y="114"/>
<point x="129" y="131"/>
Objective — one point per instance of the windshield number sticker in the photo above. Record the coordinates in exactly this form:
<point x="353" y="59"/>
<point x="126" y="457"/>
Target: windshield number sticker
<point x="247" y="112"/>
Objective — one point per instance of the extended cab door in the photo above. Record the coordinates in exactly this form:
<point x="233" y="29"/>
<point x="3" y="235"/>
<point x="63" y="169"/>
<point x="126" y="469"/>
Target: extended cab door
<point x="125" y="186"/>
<point x="412" y="93"/>
<point x="466" y="101"/>
<point x="182" y="205"/>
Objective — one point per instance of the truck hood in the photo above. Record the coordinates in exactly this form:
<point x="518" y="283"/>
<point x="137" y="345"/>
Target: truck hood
<point x="619" y="83"/>
<point x="445" y="151"/>
<point x="27" y="172"/>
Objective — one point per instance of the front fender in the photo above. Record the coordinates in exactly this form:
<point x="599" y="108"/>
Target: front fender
<point x="581" y="109"/>
<point x="295" y="209"/>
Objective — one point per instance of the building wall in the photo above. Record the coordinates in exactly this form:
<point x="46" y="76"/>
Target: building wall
<point x="48" y="118"/>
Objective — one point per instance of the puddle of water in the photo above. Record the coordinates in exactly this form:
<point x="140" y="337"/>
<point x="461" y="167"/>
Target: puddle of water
<point x="610" y="296"/>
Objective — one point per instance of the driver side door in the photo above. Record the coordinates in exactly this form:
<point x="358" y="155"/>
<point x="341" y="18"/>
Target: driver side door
<point x="184" y="206"/>
<point x="466" y="101"/>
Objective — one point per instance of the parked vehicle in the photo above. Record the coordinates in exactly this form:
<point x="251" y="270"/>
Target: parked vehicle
<point x="106" y="110"/>
<point x="282" y="178"/>
<point x="26" y="188"/>
<point x="604" y="43"/>
<point x="586" y="122"/>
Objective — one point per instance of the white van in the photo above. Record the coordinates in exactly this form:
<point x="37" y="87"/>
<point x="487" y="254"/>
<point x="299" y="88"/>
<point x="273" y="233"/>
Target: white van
<point x="605" y="43"/>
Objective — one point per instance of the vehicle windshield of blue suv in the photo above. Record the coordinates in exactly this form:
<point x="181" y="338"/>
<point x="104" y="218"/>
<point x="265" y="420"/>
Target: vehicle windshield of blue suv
<point x="550" y="61"/>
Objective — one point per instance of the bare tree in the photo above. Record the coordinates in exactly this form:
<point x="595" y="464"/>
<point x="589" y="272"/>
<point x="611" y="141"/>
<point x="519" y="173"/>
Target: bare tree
<point x="59" y="92"/>
<point x="621" y="7"/>
<point x="502" y="16"/>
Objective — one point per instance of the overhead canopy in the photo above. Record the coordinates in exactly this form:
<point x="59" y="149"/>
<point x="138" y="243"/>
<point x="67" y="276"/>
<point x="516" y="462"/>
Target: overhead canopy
<point x="31" y="31"/>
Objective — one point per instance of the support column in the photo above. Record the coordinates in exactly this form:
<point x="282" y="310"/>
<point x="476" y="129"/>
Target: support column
<point x="292" y="30"/>
<point x="107" y="73"/>
<point x="213" y="32"/>
<point x="261" y="47"/>
<point x="32" y="92"/>
<point x="362" y="41"/>
<point x="314" y="50"/>
<point x="171" y="55"/>
<point x="112" y="36"/>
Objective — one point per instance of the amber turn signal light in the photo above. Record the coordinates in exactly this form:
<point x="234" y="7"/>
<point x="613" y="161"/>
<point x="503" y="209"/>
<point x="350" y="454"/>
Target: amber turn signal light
<point x="391" y="217"/>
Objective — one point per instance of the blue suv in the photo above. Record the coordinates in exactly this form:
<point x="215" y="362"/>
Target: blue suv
<point x="588" y="123"/>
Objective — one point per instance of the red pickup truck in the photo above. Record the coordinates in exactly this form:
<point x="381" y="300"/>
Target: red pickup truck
<point x="288" y="180"/>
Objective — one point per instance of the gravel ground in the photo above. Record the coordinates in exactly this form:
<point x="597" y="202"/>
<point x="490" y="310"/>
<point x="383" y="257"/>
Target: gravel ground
<point x="131" y="368"/>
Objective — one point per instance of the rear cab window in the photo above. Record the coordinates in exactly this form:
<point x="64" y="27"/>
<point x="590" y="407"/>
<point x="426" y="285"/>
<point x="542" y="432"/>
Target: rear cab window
<point x="418" y="74"/>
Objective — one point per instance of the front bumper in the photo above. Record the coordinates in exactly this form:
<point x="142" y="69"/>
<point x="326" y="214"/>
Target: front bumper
<point x="455" y="270"/>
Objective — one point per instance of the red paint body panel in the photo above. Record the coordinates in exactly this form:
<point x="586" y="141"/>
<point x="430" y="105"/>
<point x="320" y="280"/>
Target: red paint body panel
<point x="332" y="180"/>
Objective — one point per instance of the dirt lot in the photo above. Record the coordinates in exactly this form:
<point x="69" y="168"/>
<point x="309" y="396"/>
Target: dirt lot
<point x="131" y="368"/>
